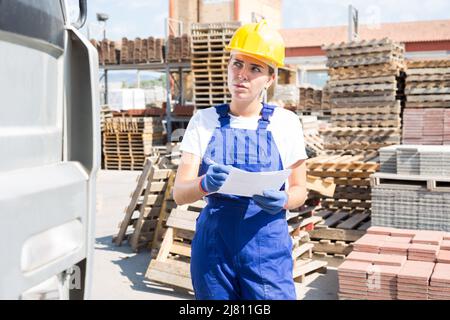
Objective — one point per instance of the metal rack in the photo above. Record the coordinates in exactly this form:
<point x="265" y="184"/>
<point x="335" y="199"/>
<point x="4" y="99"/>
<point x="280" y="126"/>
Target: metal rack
<point x="169" y="69"/>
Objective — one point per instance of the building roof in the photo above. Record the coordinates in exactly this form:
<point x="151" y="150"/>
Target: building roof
<point x="407" y="32"/>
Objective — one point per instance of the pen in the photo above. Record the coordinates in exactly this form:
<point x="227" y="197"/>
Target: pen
<point x="210" y="162"/>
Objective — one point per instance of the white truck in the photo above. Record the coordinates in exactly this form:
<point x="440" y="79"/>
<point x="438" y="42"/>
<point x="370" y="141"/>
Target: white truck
<point x="50" y="144"/>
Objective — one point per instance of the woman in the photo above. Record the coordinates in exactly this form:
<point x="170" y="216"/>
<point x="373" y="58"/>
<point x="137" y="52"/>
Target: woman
<point x="242" y="248"/>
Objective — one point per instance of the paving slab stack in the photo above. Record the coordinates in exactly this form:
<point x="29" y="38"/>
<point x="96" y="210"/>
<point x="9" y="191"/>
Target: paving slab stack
<point x="397" y="264"/>
<point x="365" y="91"/>
<point x="412" y="189"/>
<point x="426" y="118"/>
<point x="209" y="62"/>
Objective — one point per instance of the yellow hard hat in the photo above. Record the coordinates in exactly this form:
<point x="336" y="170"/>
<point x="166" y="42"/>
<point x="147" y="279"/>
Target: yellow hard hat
<point x="260" y="41"/>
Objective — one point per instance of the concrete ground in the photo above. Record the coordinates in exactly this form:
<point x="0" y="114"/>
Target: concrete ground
<point x="119" y="272"/>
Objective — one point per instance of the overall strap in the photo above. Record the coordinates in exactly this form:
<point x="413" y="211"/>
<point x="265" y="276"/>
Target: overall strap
<point x="224" y="117"/>
<point x="266" y="113"/>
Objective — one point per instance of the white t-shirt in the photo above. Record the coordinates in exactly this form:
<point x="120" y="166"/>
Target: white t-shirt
<point x="284" y="125"/>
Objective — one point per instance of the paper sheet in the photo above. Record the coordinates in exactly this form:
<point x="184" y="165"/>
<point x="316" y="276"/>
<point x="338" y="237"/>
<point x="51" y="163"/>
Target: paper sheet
<point x="247" y="184"/>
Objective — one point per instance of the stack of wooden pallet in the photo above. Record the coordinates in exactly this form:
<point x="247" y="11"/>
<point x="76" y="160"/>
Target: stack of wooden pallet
<point x="338" y="140"/>
<point x="365" y="88"/>
<point x="346" y="213"/>
<point x="426" y="118"/>
<point x="334" y="237"/>
<point x="148" y="200"/>
<point x="209" y="62"/>
<point x="128" y="140"/>
<point x="413" y="188"/>
<point x="310" y="99"/>
<point x="351" y="176"/>
<point x="105" y="113"/>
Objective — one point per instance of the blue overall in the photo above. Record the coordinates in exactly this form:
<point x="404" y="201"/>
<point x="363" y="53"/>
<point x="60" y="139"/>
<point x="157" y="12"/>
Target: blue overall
<point x="240" y="251"/>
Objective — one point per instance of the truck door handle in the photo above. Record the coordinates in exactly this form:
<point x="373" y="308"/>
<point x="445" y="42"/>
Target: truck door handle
<point x="83" y="15"/>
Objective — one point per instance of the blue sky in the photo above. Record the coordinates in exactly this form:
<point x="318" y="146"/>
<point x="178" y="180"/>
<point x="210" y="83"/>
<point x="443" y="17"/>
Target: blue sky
<point x="141" y="18"/>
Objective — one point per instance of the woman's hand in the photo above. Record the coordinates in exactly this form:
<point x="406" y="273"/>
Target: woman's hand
<point x="272" y="201"/>
<point x="215" y="177"/>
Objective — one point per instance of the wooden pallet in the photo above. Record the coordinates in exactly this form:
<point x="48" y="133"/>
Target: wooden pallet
<point x="373" y="44"/>
<point x="379" y="108"/>
<point x="172" y="263"/>
<point x="169" y="206"/>
<point x="352" y="174"/>
<point x="209" y="62"/>
<point x="128" y="140"/>
<point x="144" y="207"/>
<point x="340" y="228"/>
<point x="150" y="209"/>
<point x="131" y="208"/>
<point x="363" y="72"/>
<point x="394" y="181"/>
<point x="428" y="64"/>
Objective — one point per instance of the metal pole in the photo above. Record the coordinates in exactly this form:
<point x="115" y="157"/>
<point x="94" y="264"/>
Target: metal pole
<point x="168" y="106"/>
<point x="106" y="86"/>
<point x="181" y="87"/>
<point x="168" y="93"/>
<point x="352" y="23"/>
<point x="138" y="75"/>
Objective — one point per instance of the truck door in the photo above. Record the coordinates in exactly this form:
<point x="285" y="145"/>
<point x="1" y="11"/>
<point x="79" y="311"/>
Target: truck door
<point x="49" y="142"/>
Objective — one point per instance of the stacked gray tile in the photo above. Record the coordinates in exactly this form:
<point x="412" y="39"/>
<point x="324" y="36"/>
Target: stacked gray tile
<point x="435" y="210"/>
<point x="383" y="205"/>
<point x="408" y="161"/>
<point x="403" y="198"/>
<point x="388" y="159"/>
<point x="435" y="161"/>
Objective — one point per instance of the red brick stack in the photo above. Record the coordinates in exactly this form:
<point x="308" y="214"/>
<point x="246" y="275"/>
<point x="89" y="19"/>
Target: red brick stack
<point x="426" y="118"/>
<point x="390" y="263"/>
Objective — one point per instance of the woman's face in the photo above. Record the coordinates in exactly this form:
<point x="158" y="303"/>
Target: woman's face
<point x="247" y="77"/>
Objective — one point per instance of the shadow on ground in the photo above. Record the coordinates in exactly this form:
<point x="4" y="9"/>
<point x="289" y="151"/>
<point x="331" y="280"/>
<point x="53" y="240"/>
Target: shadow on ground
<point x="134" y="265"/>
<point x="323" y="287"/>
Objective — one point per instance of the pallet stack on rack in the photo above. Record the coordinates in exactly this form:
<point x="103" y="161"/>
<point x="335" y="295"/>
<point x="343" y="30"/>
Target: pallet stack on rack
<point x="141" y="51"/>
<point x="366" y="92"/>
<point x="209" y="62"/>
<point x="426" y="118"/>
<point x="179" y="48"/>
<point x="127" y="141"/>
